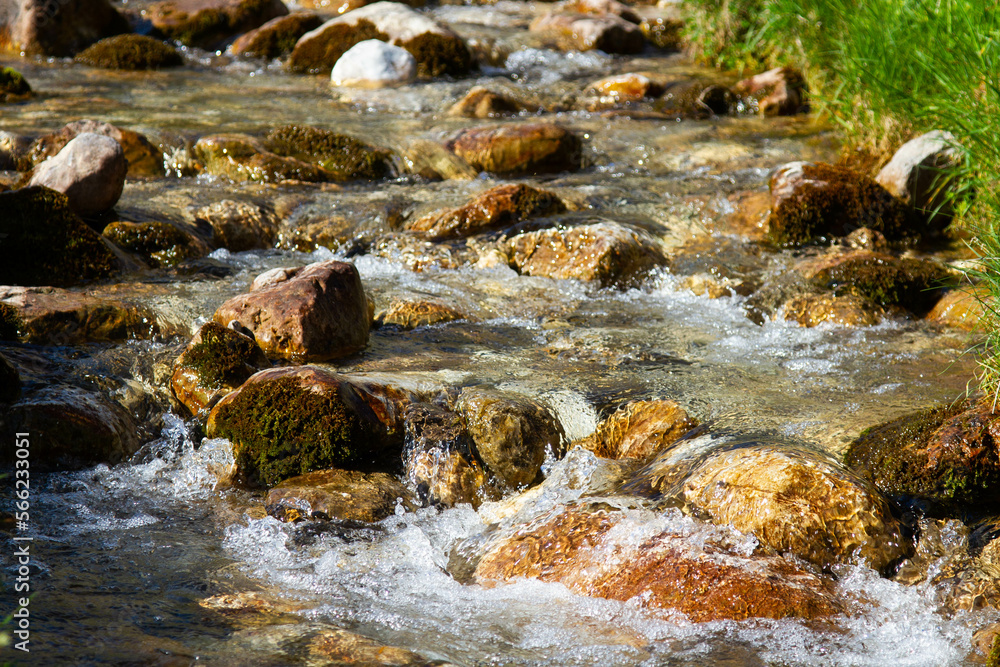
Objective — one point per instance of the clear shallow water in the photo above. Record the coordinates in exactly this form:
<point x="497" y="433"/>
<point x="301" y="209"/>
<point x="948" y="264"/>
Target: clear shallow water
<point x="124" y="555"/>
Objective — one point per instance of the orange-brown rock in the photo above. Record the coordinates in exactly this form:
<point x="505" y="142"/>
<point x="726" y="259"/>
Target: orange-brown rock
<point x="481" y="102"/>
<point x="639" y="430"/>
<point x="624" y="88"/>
<point x="320" y="313"/>
<point x="706" y="581"/>
<point x="960" y="308"/>
<point x="777" y="92"/>
<point x="438" y="458"/>
<point x="277" y="37"/>
<point x="52" y="316"/>
<point x="337" y="494"/>
<point x="410" y="314"/>
<point x="607" y="253"/>
<point x="497" y="208"/>
<point x="208" y="24"/>
<point x="582" y="32"/>
<point x="240" y="225"/>
<point x="523" y="148"/>
<point x="41" y="28"/>
<point x="849" y="310"/>
<point x="600" y="8"/>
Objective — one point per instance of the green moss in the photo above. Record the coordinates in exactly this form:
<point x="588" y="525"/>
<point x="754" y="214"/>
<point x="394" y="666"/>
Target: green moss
<point x="279" y="40"/>
<point x="130" y="52"/>
<point x="319" y="55"/>
<point x="223" y="357"/>
<point x="437" y="55"/>
<point x="42" y="242"/>
<point x="280" y="430"/>
<point x="910" y="283"/>
<point x="993" y="659"/>
<point x="10" y="322"/>
<point x="343" y="156"/>
<point x="12" y="84"/>
<point x="159" y="242"/>
<point x="841" y="202"/>
<point x="209" y="26"/>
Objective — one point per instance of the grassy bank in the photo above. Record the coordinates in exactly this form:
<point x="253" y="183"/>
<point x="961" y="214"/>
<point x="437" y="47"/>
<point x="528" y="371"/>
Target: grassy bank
<point x="884" y="71"/>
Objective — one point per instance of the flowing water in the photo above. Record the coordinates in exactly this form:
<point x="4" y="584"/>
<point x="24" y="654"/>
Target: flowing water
<point x="123" y="555"/>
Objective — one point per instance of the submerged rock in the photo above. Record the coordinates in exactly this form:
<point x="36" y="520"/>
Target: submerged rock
<point x="497" y="208"/>
<point x="49" y="316"/>
<point x="481" y="102"/>
<point x="285" y="422"/>
<point x="374" y="63"/>
<point x="580" y="32"/>
<point x="777" y="92"/>
<point x="439" y="460"/>
<point x="240" y="225"/>
<point x="276" y="38"/>
<point x="144" y="159"/>
<point x="410" y="314"/>
<point x="130" y="52"/>
<point x="960" y="308"/>
<point x="347" y="495"/>
<point x="848" y="310"/>
<point x="89" y="170"/>
<point x="45" y="243"/>
<point x="321" y="313"/>
<point x="620" y="88"/>
<point x="215" y="363"/>
<point x="240" y="157"/>
<point x="919" y="174"/>
<point x="524" y="148"/>
<point x="159" y="243"/>
<point x="639" y="430"/>
<point x="436" y="48"/>
<point x="39" y="28"/>
<point x="208" y="24"/>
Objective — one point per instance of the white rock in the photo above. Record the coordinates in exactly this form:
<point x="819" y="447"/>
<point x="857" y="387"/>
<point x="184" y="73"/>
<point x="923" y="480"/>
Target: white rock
<point x="89" y="170"/>
<point x="374" y="63"/>
<point x="913" y="173"/>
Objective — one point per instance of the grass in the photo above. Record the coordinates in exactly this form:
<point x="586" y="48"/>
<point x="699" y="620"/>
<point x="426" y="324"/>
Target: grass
<point x="884" y="71"/>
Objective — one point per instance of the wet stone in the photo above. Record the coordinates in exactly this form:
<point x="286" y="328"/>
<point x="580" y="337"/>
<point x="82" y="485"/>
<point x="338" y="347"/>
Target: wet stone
<point x="409" y="314"/>
<point x="158" y="243"/>
<point x="778" y="92"/>
<point x="13" y="86"/>
<point x="960" y="308"/>
<point x="639" y="430"/>
<point x="847" y="310"/>
<point x="130" y="52"/>
<point x="481" y="102"/>
<point x="918" y="174"/>
<point x="32" y="28"/>
<point x="240" y="225"/>
<point x="439" y="460"/>
<point x="343" y="157"/>
<point x="374" y="64"/>
<point x="580" y="32"/>
<point x="90" y="170"/>
<point x="276" y="38"/>
<point x="144" y="159"/>
<point x="208" y="24"/>
<point x="338" y="494"/>
<point x="524" y="148"/>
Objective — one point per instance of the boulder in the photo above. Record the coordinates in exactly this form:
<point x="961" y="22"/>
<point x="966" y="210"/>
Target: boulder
<point x="944" y="457"/>
<point x="481" y="102"/>
<point x="410" y="314"/>
<point x="46" y="243"/>
<point x="346" y="495"/>
<point x="523" y="148"/>
<point x="319" y="314"/>
<point x="435" y="47"/>
<point x="885" y="280"/>
<point x="639" y="430"/>
<point x="144" y="159"/>
<point x="850" y="310"/>
<point x="130" y="52"/>
<point x="89" y="170"/>
<point x="581" y="32"/>
<point x="10" y="381"/>
<point x="607" y="253"/>
<point x="215" y="363"/>
<point x="158" y="243"/>
<point x="276" y="38"/>
<point x="60" y="29"/>
<point x="778" y="92"/>
<point x="815" y="202"/>
<point x="13" y="85"/>
<point x="706" y="579"/>
<point x="439" y="460"/>
<point x="50" y="316"/>
<point x="512" y="434"/>
<point x="374" y="64"/>
<point x="960" y="308"/>
<point x="209" y="24"/>
<point x="345" y="157"/>
<point x="919" y="174"/>
<point x="70" y="428"/>
<point x="240" y="225"/>
<point x="285" y="422"/>
<point x="497" y="208"/>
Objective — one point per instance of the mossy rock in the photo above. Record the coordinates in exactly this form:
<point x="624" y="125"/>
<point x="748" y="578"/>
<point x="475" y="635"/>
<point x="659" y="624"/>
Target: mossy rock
<point x="498" y="207"/>
<point x="277" y="37"/>
<point x="216" y="362"/>
<point x="345" y="157"/>
<point x="887" y="281"/>
<point x="823" y="201"/>
<point x="159" y="243"/>
<point x="130" y="52"/>
<point x="244" y="158"/>
<point x="13" y="85"/>
<point x="209" y="23"/>
<point x="46" y="243"/>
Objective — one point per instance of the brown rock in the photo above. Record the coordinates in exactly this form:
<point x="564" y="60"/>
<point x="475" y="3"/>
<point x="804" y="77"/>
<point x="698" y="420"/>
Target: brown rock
<point x="524" y="148"/>
<point x="777" y="92"/>
<point x="497" y="208"/>
<point x="410" y="314"/>
<point x="144" y="159"/>
<point x="579" y="32"/>
<point x="240" y="157"/>
<point x="42" y="28"/>
<point x="158" y="243"/>
<point x="606" y="253"/>
<point x="337" y="494"/>
<point x="340" y="647"/>
<point x="240" y="225"/>
<point x="709" y="581"/>
<point x="319" y="314"/>
<point x="849" y="310"/>
<point x="960" y="308"/>
<point x="663" y="33"/>
<point x="51" y="316"/>
<point x="90" y="170"/>
<point x="209" y="23"/>
<point x="624" y="88"/>
<point x="439" y="460"/>
<point x="276" y="38"/>
<point x="639" y="430"/>
<point x="435" y="162"/>
<point x="600" y="8"/>
<point x="480" y="102"/>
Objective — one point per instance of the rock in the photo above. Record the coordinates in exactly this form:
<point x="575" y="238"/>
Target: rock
<point x="578" y="32"/>
<point x="624" y="88"/>
<point x="144" y="159"/>
<point x="49" y="316"/>
<point x="158" y="243"/>
<point x="240" y="157"/>
<point x="346" y="495"/>
<point x="374" y="64"/>
<point x="913" y="284"/>
<point x="919" y="174"/>
<point x="663" y="33"/>
<point x="960" y="308"/>
<point x="435" y="162"/>
<point x="606" y="253"/>
<point x="986" y="641"/>
<point x="276" y="38"/>
<point x="13" y="85"/>
<point x="70" y="428"/>
<point x="410" y="314"/>
<point x="215" y="363"/>
<point x="481" y="102"/>
<point x="345" y="157"/>
<point x="89" y="170"/>
<point x="639" y="430"/>
<point x="274" y="276"/>
<point x="705" y="579"/>
<point x="497" y="208"/>
<point x="208" y="24"/>
<point x="524" y="148"/>
<point x="43" y="28"/>
<point x="319" y="314"/>
<point x="512" y="434"/>
<point x="10" y="381"/>
<point x="944" y="457"/>
<point x="285" y="422"/>
<point x="848" y="310"/>
<point x="600" y="8"/>
<point x="777" y="92"/>
<point x="240" y="225"/>
<point x="439" y="460"/>
<point x="814" y="202"/>
<point x="130" y="52"/>
<point x="339" y="647"/>
<point x="14" y="152"/>
<point x="436" y="48"/>
<point x="45" y="243"/>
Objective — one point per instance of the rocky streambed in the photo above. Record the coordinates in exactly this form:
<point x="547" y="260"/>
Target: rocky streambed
<point x="536" y="344"/>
